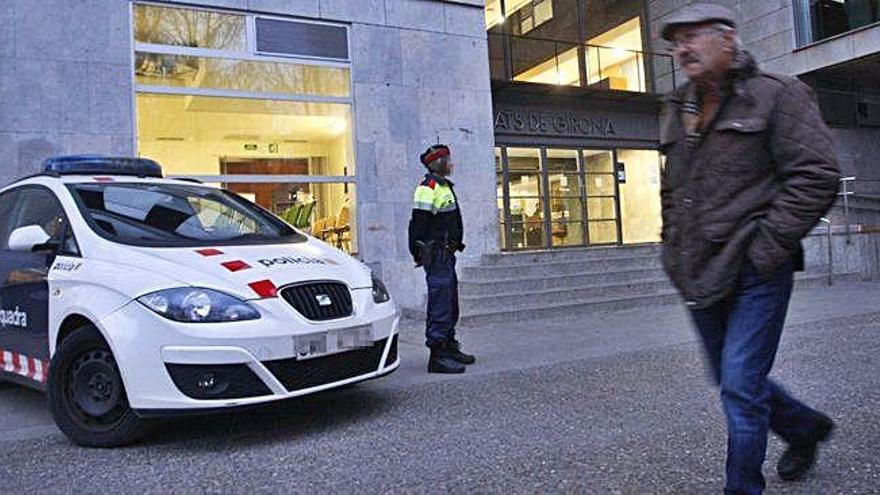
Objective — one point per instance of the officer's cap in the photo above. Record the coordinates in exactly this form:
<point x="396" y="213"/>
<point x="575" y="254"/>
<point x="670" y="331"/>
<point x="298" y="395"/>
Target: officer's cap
<point x="698" y="13"/>
<point x="433" y="153"/>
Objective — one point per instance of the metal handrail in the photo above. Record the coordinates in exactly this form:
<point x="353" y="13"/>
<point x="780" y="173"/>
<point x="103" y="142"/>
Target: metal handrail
<point x="847" y="189"/>
<point x="827" y="221"/>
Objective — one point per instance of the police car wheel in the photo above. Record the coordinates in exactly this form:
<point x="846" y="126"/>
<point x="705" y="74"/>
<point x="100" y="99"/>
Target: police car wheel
<point x="86" y="394"/>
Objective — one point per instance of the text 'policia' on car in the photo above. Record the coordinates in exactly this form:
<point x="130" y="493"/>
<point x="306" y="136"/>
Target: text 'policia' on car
<point x="124" y="296"/>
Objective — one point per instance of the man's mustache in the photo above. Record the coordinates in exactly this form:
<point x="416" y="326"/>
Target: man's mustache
<point x="689" y="59"/>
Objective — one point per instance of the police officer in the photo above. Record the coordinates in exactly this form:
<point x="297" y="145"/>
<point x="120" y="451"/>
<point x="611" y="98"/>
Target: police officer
<point x="435" y="235"/>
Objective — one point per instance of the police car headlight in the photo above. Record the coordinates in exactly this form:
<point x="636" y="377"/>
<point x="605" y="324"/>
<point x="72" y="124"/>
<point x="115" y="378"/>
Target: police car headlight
<point x="194" y="305"/>
<point x="380" y="293"/>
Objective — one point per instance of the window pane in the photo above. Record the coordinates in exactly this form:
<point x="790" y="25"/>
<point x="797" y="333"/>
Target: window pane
<point x="640" y="196"/>
<point x="173" y="215"/>
<point x="566" y="209"/>
<point x="39" y="207"/>
<point x="603" y="232"/>
<point x="601" y="209"/>
<point x="567" y="234"/>
<point x="562" y="160"/>
<point x="264" y="77"/>
<point x="600" y="185"/>
<point x="524" y="184"/>
<point x="523" y="159"/>
<point x="498" y="160"/>
<point x="190" y="28"/>
<point x="527" y="235"/>
<point x="197" y="135"/>
<point x="545" y="62"/>
<point x="596" y="161"/>
<point x="614" y="56"/>
<point x="565" y="185"/>
<point x="7" y="206"/>
<point x="526" y="209"/>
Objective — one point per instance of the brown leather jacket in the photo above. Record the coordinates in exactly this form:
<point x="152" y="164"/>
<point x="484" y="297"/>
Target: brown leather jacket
<point x="762" y="177"/>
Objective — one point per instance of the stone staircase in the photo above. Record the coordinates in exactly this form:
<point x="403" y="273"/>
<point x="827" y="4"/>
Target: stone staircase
<point x="512" y="287"/>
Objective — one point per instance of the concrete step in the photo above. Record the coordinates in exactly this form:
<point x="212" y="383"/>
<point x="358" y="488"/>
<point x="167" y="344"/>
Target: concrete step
<point x="572" y="254"/>
<point x="572" y="280"/>
<point x="567" y="309"/>
<point x="487" y="303"/>
<point x="501" y="310"/>
<point x="511" y="272"/>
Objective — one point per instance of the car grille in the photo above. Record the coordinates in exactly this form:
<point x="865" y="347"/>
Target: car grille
<point x="297" y="375"/>
<point x="305" y="299"/>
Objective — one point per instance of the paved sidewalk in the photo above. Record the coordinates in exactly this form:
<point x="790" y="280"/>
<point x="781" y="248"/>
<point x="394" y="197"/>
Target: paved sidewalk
<point x="542" y="342"/>
<point x="613" y="403"/>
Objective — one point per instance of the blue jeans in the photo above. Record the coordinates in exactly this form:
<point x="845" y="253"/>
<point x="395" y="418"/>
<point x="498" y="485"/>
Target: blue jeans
<point x="442" y="299"/>
<point x="741" y="335"/>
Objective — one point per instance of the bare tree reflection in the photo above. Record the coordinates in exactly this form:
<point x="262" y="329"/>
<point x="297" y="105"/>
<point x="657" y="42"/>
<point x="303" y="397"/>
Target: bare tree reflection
<point x="202" y="29"/>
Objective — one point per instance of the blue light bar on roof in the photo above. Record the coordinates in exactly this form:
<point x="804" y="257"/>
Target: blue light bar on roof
<point x="102" y="165"/>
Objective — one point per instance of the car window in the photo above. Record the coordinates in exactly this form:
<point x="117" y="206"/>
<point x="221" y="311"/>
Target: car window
<point x="7" y="208"/>
<point x="170" y="215"/>
<point x="69" y="246"/>
<point x="38" y="206"/>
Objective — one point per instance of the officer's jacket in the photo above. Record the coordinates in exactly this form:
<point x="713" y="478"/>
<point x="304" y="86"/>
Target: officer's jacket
<point x="761" y="178"/>
<point x="436" y="215"/>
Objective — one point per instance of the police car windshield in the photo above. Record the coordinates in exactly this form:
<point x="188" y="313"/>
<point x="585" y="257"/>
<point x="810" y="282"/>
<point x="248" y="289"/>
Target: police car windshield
<point x="176" y="215"/>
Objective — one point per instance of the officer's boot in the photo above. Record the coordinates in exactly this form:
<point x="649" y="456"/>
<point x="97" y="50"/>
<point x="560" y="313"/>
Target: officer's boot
<point x="442" y="362"/>
<point x="455" y="353"/>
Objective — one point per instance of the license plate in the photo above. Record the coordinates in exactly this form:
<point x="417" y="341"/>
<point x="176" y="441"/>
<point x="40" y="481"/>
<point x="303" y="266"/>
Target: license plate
<point x="331" y="342"/>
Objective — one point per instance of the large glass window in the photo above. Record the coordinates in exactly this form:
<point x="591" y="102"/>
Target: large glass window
<point x="549" y="197"/>
<point x="277" y="131"/>
<point x="817" y="20"/>
<point x="595" y="43"/>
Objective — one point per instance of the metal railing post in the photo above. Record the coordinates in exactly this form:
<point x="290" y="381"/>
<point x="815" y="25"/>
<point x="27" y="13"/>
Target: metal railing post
<point x="827" y="222"/>
<point x="846" y="193"/>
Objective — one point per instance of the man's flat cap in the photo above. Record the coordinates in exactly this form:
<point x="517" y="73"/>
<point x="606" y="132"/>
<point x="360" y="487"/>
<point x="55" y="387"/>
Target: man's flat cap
<point x="697" y="13"/>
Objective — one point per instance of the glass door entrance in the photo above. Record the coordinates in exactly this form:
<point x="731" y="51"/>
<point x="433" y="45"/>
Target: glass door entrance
<point x="553" y="198"/>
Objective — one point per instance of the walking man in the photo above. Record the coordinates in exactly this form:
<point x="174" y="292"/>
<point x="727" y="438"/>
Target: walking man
<point x="750" y="170"/>
<point x="435" y="235"/>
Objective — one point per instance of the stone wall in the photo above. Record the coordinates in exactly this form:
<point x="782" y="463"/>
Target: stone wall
<point x="65" y="81"/>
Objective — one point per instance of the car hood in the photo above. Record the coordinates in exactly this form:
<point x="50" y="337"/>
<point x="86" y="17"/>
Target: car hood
<point x="239" y="269"/>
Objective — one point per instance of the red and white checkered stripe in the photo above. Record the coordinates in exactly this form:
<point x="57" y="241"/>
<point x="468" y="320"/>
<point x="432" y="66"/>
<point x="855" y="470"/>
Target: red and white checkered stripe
<point x="28" y="367"/>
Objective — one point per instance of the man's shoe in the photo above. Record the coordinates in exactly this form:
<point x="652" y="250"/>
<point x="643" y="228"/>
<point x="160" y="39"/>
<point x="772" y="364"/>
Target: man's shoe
<point x="454" y="351"/>
<point x="797" y="460"/>
<point x="442" y="362"/>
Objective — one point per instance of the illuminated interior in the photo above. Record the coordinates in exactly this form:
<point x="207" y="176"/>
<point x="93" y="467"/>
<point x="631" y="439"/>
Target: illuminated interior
<point x="583" y="196"/>
<point x="614" y="60"/>
<point x="288" y="153"/>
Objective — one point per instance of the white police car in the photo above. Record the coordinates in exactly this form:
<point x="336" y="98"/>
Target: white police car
<point x="125" y="296"/>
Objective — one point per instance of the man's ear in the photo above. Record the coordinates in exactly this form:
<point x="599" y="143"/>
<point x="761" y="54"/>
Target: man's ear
<point x="730" y="44"/>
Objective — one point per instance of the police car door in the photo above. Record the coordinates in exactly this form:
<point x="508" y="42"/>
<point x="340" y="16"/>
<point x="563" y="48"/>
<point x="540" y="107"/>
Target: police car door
<point x="24" y="288"/>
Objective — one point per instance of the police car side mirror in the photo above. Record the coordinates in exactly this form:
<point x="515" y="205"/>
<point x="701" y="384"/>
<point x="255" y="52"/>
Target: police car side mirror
<point x="30" y="238"/>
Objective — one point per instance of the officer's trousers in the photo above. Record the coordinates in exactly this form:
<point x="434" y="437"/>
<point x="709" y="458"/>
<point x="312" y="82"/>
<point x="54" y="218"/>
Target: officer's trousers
<point x="442" y="299"/>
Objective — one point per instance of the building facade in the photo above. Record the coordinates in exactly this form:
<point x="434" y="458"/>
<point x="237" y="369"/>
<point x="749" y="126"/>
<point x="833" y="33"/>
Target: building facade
<point x="318" y="109"/>
<point x="315" y="109"/>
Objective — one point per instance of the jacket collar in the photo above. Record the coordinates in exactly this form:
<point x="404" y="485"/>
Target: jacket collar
<point x="744" y="67"/>
<point x="443" y="181"/>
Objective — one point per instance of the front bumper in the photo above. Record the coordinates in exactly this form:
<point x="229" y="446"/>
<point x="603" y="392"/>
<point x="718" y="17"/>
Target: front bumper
<point x="170" y="366"/>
